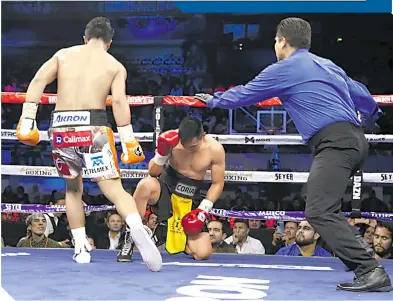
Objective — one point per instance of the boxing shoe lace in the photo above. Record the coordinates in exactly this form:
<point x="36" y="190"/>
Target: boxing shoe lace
<point x="82" y="252"/>
<point x="128" y="243"/>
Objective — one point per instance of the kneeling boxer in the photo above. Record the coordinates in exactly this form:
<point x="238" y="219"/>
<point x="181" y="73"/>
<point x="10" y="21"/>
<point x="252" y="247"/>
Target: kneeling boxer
<point x="176" y="176"/>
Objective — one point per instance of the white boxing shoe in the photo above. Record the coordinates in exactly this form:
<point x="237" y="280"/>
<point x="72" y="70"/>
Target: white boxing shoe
<point x="150" y="254"/>
<point x="82" y="252"/>
<point x="82" y="257"/>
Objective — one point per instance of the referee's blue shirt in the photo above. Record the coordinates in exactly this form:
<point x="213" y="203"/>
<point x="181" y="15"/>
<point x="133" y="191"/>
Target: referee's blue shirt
<point x="314" y="91"/>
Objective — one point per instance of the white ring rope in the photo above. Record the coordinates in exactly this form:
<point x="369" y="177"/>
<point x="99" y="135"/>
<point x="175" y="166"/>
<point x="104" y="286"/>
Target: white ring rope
<point x="223" y="139"/>
<point x="230" y="176"/>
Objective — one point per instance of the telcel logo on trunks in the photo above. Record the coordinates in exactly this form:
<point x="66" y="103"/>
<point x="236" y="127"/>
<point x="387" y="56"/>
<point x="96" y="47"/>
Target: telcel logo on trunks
<point x="71" y="118"/>
<point x="185" y="189"/>
<point x="97" y="160"/>
<point x="96" y="165"/>
<point x="72" y="139"/>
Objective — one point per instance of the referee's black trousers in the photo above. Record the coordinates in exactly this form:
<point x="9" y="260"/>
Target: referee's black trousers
<point x="339" y="150"/>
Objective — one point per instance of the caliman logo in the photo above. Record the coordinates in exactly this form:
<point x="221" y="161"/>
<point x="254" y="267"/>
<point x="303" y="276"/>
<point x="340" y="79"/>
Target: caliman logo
<point x="72" y="139"/>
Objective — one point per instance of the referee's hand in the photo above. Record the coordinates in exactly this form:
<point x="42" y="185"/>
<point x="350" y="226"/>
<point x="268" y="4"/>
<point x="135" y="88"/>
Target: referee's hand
<point x="203" y="97"/>
<point x="385" y="124"/>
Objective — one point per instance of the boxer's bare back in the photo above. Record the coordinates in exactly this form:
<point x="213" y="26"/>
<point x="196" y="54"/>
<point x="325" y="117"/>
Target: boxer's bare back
<point x="194" y="163"/>
<point x="85" y="76"/>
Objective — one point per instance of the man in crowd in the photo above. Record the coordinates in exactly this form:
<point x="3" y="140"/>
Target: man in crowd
<point x="305" y="243"/>
<point x="36" y="238"/>
<point x="158" y="230"/>
<point x="56" y="225"/>
<point x="287" y="238"/>
<point x="383" y="240"/>
<point x="244" y="243"/>
<point x="110" y="239"/>
<point x="255" y="224"/>
<point x="217" y="237"/>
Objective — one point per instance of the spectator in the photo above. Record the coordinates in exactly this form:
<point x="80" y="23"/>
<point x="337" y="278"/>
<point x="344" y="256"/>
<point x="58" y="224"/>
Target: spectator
<point x="383" y="240"/>
<point x="151" y="221"/>
<point x="242" y="241"/>
<point x="305" y="243"/>
<point x="56" y="226"/>
<point x="21" y="196"/>
<point x="368" y="234"/>
<point x="36" y="238"/>
<point x="217" y="237"/>
<point x="157" y="230"/>
<point x="222" y="126"/>
<point x="287" y="238"/>
<point x="111" y="239"/>
<point x="7" y="195"/>
<point x="370" y="202"/>
<point x="366" y="228"/>
<point x="91" y="242"/>
<point x="254" y="223"/>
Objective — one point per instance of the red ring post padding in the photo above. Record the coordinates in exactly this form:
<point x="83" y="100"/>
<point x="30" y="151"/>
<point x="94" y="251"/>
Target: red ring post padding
<point x="16" y="97"/>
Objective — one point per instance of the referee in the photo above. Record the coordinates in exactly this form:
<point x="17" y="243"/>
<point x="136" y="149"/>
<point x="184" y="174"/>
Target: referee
<point x="323" y="103"/>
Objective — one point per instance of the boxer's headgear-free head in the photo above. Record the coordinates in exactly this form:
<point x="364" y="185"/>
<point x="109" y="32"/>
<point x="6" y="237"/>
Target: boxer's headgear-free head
<point x="190" y="128"/>
<point x="99" y="28"/>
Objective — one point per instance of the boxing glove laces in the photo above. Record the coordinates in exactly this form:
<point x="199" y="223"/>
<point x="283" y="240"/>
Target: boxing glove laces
<point x="132" y="150"/>
<point x="194" y="221"/>
<point x="27" y="131"/>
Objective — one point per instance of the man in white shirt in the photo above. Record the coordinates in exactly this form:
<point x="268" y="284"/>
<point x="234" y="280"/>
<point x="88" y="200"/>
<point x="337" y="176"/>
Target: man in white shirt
<point x="244" y="243"/>
<point x="115" y="225"/>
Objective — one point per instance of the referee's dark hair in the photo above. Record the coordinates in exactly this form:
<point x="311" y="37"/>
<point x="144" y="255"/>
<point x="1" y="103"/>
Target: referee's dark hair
<point x="296" y="31"/>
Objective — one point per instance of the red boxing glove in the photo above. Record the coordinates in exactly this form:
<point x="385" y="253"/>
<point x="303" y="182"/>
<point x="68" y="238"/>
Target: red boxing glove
<point x="194" y="221"/>
<point x="165" y="142"/>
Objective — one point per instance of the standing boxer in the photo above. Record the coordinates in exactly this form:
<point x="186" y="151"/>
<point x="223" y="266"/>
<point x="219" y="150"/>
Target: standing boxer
<point x="176" y="176"/>
<point x="323" y="103"/>
<point x="80" y="137"/>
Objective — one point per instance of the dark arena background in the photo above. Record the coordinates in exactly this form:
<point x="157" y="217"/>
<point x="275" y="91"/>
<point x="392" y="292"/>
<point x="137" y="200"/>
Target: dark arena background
<point x="170" y="56"/>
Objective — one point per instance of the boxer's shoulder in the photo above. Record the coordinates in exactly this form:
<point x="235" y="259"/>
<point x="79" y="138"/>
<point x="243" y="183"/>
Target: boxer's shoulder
<point x="214" y="145"/>
<point x="116" y="63"/>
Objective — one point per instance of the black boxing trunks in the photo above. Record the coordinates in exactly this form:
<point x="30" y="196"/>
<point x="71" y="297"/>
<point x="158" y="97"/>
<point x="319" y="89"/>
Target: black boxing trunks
<point x="179" y="195"/>
<point x="81" y="139"/>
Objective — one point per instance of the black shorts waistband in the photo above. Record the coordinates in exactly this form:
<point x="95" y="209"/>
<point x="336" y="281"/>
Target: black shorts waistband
<point x="75" y="118"/>
<point x="180" y="184"/>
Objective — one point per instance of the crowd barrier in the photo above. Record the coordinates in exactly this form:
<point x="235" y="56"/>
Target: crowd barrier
<point x="230" y="176"/>
<point x="257" y="215"/>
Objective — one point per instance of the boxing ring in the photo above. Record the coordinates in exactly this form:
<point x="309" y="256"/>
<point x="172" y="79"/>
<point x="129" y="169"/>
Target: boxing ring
<point x="50" y="274"/>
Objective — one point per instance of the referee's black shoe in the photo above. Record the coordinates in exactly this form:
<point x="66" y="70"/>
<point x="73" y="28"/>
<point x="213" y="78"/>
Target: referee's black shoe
<point x="377" y="280"/>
